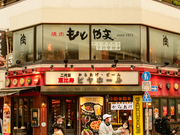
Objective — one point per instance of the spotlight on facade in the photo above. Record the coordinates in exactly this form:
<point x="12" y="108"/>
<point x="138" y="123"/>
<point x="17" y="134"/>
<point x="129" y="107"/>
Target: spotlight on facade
<point x="65" y="62"/>
<point x="72" y="66"/>
<point x="23" y="71"/>
<point x="167" y="72"/>
<point x="33" y="70"/>
<point x="5" y="73"/>
<point x="159" y="71"/>
<point x="51" y="67"/>
<point x="92" y="66"/>
<point x="113" y="66"/>
<point x="18" y="61"/>
<point x="175" y="73"/>
<point x="132" y="67"/>
<point x="14" y="72"/>
<point x="8" y="73"/>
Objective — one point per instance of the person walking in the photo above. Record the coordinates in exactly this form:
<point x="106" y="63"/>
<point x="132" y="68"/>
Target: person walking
<point x="58" y="130"/>
<point x="166" y="128"/>
<point x="59" y="121"/>
<point x="125" y="127"/>
<point x="106" y="127"/>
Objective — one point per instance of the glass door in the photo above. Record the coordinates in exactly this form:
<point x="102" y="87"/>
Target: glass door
<point x="65" y="107"/>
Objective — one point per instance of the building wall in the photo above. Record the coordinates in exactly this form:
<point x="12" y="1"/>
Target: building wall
<point x="148" y="12"/>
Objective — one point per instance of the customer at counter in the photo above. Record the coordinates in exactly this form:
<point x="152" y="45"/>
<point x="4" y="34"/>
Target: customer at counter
<point x="106" y="127"/>
<point x="125" y="127"/>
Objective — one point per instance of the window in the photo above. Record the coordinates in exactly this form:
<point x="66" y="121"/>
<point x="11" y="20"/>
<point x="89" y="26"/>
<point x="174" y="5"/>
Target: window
<point x="164" y="47"/>
<point x="109" y="42"/>
<point x="23" y="45"/>
<point x="65" y="42"/>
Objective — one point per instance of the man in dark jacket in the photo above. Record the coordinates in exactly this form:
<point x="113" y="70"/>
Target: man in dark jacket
<point x="166" y="128"/>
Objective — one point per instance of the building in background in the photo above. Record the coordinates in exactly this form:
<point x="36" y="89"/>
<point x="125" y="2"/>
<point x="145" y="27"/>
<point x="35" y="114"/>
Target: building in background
<point x="81" y="59"/>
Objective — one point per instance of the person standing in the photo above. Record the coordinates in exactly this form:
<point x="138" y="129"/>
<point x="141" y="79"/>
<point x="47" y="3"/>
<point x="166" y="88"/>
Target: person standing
<point x="166" y="128"/>
<point x="106" y="127"/>
<point x="125" y="127"/>
<point x="58" y="130"/>
<point x="60" y="122"/>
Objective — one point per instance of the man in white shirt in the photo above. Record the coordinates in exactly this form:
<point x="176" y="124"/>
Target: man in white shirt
<point x="106" y="127"/>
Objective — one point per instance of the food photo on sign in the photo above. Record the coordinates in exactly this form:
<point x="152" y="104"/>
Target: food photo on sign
<point x="91" y="115"/>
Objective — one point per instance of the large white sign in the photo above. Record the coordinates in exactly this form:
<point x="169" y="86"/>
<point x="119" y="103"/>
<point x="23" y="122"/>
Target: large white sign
<point x="92" y="78"/>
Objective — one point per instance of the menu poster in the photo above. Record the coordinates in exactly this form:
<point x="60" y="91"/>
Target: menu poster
<point x="91" y="115"/>
<point x="149" y="111"/>
<point x="172" y="110"/>
<point x="178" y="108"/>
<point x="164" y="110"/>
<point x="6" y="120"/>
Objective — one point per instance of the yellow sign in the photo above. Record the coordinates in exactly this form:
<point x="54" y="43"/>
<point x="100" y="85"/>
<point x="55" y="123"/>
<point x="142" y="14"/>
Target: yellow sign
<point x="137" y="115"/>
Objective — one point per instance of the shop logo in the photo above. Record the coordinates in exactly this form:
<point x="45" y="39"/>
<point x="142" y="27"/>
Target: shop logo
<point x="15" y="81"/>
<point x="165" y="41"/>
<point x="176" y="86"/>
<point x="138" y="129"/>
<point x="160" y="85"/>
<point x="168" y="85"/>
<point x="29" y="80"/>
<point x="8" y="82"/>
<point x="22" y="81"/>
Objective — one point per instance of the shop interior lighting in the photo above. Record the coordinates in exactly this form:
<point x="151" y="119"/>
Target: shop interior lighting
<point x="72" y="66"/>
<point x="132" y="67"/>
<point x="51" y="68"/>
<point x="92" y="66"/>
<point x="65" y="62"/>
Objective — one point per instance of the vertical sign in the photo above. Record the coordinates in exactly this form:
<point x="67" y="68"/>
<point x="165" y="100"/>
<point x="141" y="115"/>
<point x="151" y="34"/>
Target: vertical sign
<point x="137" y="115"/>
<point x="3" y="49"/>
<point x="6" y="120"/>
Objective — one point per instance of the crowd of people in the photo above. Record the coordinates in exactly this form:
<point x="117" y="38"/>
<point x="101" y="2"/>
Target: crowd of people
<point x="105" y="128"/>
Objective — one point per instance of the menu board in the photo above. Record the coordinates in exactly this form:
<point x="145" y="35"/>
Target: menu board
<point x="6" y="120"/>
<point x="91" y="115"/>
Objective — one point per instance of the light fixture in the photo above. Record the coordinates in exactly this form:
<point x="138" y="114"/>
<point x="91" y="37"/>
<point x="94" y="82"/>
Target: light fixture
<point x="72" y="66"/>
<point x="115" y="63"/>
<point x="5" y="73"/>
<point x="132" y="67"/>
<point x="167" y="72"/>
<point x="18" y="61"/>
<point x="65" y="61"/>
<point x="33" y="70"/>
<point x="6" y="102"/>
<point x="25" y="67"/>
<point x="14" y="72"/>
<point x="43" y="103"/>
<point x="23" y="71"/>
<point x="159" y="71"/>
<point x="175" y="73"/>
<point x="113" y="66"/>
<point x="92" y="66"/>
<point x="51" y="68"/>
<point x="8" y="73"/>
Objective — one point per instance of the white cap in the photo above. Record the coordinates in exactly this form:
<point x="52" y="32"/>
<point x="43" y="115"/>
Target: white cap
<point x="106" y="116"/>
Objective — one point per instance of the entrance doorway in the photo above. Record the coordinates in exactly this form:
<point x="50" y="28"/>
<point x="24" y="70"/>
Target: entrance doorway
<point x="64" y="106"/>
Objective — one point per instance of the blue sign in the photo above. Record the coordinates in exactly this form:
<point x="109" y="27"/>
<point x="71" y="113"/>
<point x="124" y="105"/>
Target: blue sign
<point x="146" y="76"/>
<point x="154" y="88"/>
<point x="146" y="98"/>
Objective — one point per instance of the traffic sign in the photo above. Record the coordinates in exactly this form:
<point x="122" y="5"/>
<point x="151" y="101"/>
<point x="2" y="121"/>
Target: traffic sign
<point x="146" y="98"/>
<point x="146" y="85"/>
<point x="146" y="76"/>
<point x="154" y="88"/>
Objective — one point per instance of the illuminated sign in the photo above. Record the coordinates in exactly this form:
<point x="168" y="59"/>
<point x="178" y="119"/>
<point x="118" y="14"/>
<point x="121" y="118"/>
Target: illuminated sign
<point x="92" y="78"/>
<point x="137" y="115"/>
